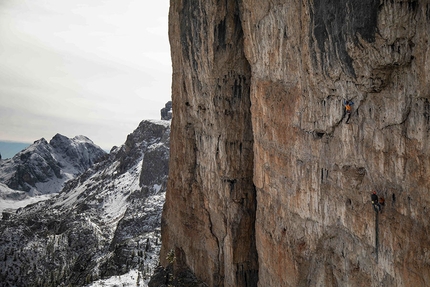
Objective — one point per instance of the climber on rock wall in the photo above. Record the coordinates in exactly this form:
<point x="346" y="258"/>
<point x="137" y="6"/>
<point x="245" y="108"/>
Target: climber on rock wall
<point x="348" y="108"/>
<point x="375" y="202"/>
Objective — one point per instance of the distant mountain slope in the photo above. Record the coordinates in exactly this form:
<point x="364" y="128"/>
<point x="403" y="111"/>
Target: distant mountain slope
<point x="105" y="222"/>
<point x="44" y="167"/>
<point x="11" y="199"/>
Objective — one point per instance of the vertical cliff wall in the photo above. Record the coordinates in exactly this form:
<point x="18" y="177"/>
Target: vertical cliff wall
<point x="266" y="176"/>
<point x="209" y="212"/>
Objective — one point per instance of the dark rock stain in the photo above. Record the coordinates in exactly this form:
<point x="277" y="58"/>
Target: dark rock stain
<point x="333" y="22"/>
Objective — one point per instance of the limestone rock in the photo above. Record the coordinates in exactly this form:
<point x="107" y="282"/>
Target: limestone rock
<point x="166" y="112"/>
<point x="268" y="186"/>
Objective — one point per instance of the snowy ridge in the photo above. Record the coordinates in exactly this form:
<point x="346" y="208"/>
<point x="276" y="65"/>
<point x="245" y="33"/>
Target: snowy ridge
<point x="44" y="167"/>
<point x="104" y="223"/>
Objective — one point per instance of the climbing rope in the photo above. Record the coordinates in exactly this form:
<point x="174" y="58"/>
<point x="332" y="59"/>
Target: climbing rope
<point x="376" y="211"/>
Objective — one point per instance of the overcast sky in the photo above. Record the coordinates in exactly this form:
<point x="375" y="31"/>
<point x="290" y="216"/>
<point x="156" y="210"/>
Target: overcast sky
<point x="82" y="67"/>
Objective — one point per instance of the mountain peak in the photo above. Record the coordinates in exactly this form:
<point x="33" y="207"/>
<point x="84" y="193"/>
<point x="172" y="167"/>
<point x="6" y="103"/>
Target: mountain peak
<point x="82" y="138"/>
<point x="44" y="167"/>
<point x="40" y="141"/>
<point x="59" y="138"/>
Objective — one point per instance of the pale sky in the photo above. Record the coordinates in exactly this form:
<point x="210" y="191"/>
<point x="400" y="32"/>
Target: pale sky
<point x="82" y="67"/>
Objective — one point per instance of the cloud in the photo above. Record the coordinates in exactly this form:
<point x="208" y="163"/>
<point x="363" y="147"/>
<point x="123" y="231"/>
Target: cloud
<point x="94" y="68"/>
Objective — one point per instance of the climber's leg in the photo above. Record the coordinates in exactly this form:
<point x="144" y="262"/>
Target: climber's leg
<point x="348" y="117"/>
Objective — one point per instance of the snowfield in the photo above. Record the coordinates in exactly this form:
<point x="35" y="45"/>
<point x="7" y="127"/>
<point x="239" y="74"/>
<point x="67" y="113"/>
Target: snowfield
<point x="131" y="279"/>
<point x="11" y="199"/>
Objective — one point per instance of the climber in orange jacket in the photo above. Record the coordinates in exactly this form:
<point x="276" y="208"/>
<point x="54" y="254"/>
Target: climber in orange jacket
<point x="348" y="109"/>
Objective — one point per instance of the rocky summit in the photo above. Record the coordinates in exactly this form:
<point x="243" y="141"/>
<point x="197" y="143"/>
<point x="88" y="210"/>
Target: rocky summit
<point x="44" y="167"/>
<point x="104" y="223"/>
<point x="270" y="175"/>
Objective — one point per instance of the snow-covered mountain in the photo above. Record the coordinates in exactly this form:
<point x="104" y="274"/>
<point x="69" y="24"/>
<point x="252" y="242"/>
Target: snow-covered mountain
<point x="106" y="222"/>
<point x="44" y="167"/>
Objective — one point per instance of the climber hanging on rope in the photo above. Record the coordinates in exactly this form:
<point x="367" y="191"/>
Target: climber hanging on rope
<point x="348" y="109"/>
<point x="375" y="202"/>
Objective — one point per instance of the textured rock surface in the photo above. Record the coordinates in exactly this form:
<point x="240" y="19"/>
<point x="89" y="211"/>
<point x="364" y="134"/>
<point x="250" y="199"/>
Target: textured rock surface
<point x="259" y="139"/>
<point x="210" y="213"/>
<point x="166" y="112"/>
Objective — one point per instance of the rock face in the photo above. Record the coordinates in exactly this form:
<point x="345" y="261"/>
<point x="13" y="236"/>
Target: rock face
<point x="268" y="185"/>
<point x="44" y="167"/>
<point x="166" y="112"/>
<point x="210" y="213"/>
<point x="104" y="222"/>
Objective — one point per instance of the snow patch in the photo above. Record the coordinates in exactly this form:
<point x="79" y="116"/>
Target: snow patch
<point x="133" y="278"/>
<point x="160" y="122"/>
<point x="11" y="199"/>
<point x="82" y="139"/>
<point x="156" y="187"/>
